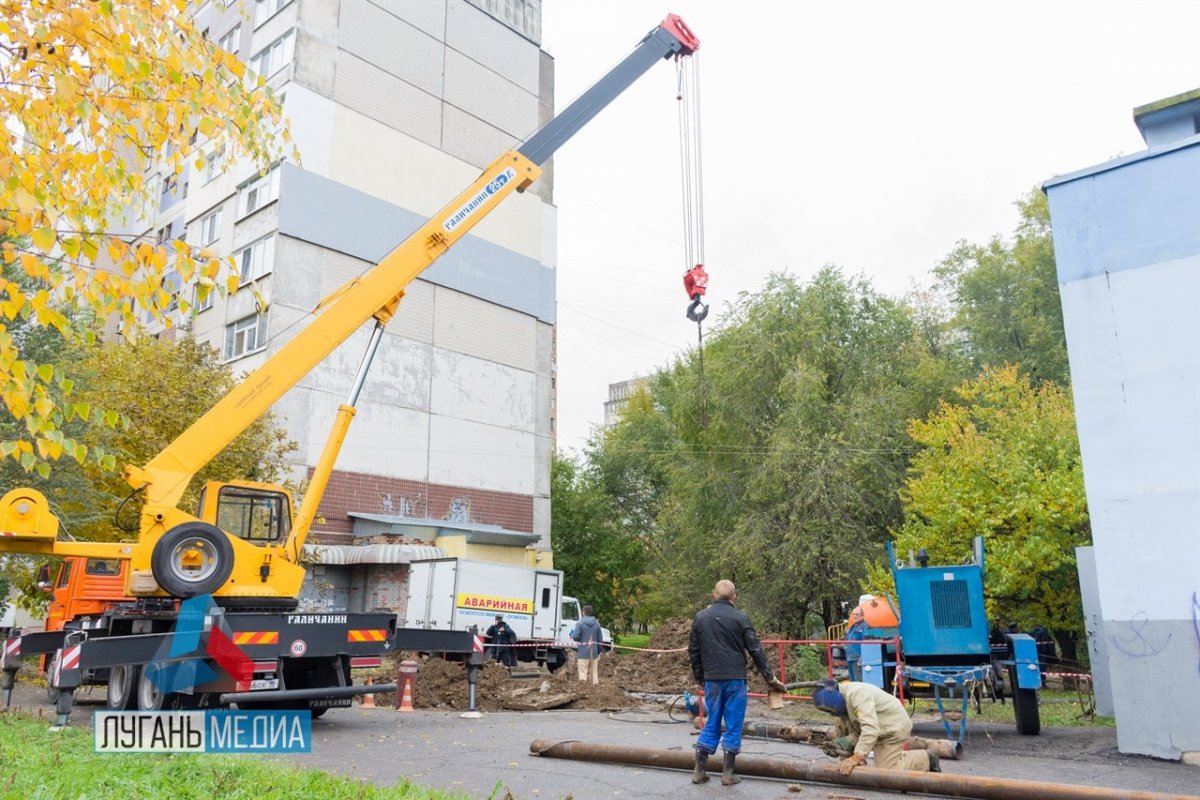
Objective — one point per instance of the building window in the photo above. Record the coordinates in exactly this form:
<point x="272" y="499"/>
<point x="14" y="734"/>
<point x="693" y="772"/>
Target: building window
<point x="210" y="228"/>
<point x="172" y="192"/>
<point x="265" y="9"/>
<point x="202" y="297"/>
<point x="171" y="284"/>
<point x="245" y="336"/>
<point x="232" y="41"/>
<point x="258" y="193"/>
<point x="256" y="260"/>
<point x="214" y="163"/>
<point x="275" y="56"/>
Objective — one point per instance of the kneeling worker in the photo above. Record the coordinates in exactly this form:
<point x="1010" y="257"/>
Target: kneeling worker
<point x="876" y="721"/>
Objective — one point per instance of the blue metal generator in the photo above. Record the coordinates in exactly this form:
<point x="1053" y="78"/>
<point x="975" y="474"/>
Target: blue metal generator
<point x="945" y="645"/>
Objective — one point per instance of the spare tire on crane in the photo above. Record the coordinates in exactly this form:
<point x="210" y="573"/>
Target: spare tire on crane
<point x="191" y="559"/>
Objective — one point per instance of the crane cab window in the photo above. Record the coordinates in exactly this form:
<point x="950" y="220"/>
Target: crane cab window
<point x="256" y="516"/>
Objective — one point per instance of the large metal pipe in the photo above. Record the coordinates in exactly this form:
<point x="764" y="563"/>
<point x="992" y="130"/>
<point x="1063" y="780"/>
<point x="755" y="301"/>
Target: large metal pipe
<point x="935" y="783"/>
<point x="942" y="748"/>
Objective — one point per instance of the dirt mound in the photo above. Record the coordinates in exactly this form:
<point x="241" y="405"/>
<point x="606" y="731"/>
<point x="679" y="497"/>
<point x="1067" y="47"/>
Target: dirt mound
<point x="656" y="672"/>
<point x="443" y="684"/>
<point x="672" y="634"/>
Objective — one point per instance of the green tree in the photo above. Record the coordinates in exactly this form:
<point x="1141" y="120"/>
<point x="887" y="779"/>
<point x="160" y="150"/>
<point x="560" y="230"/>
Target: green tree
<point x="780" y="468"/>
<point x="1003" y="462"/>
<point x="1006" y="297"/>
<point x="602" y="562"/>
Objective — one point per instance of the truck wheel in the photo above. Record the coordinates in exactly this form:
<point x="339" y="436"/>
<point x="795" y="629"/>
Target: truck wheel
<point x="1025" y="706"/>
<point x="555" y="659"/>
<point x="191" y="559"/>
<point x="122" y="687"/>
<point x="149" y="696"/>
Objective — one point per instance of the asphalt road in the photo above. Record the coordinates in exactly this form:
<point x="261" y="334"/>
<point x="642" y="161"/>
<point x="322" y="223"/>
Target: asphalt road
<point x="483" y="758"/>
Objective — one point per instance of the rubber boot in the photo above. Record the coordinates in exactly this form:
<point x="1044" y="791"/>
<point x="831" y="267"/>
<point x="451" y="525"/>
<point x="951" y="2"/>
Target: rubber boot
<point x="727" y="776"/>
<point x="935" y="763"/>
<point x="700" y="775"/>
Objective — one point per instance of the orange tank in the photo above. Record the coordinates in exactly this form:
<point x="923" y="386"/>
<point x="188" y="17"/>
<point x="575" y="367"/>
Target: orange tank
<point x="879" y="613"/>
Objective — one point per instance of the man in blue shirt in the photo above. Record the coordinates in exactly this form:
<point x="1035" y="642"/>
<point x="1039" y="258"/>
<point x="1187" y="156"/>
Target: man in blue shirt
<point x="717" y="646"/>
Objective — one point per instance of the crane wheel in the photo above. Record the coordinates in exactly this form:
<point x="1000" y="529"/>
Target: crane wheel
<point x="192" y="559"/>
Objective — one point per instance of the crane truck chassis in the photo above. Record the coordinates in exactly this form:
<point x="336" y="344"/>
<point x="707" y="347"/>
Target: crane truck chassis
<point x="234" y="638"/>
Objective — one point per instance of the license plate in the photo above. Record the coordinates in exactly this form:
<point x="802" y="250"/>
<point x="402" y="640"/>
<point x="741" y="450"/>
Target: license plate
<point x="264" y="683"/>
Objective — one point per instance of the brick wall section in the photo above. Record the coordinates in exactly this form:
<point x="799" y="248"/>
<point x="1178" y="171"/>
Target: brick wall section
<point x="386" y="588"/>
<point x="377" y="494"/>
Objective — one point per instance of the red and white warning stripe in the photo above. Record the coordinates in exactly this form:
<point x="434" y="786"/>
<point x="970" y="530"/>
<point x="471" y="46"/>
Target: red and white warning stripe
<point x="11" y="652"/>
<point x="477" y="644"/>
<point x="70" y="656"/>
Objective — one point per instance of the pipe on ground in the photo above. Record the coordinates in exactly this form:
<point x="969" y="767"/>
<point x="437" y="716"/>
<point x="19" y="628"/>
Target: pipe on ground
<point x="942" y="748"/>
<point x="935" y="783"/>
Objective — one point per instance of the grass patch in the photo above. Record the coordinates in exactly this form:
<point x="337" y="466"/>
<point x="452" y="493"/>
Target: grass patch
<point x="1056" y="709"/>
<point x="631" y="640"/>
<point x="38" y="763"/>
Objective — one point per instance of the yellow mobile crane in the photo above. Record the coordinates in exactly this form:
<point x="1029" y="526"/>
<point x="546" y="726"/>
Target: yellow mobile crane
<point x="243" y="545"/>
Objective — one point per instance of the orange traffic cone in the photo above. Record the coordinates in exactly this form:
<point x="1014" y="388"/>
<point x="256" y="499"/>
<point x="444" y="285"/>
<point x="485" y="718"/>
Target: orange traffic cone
<point x="369" y="699"/>
<point x="406" y="697"/>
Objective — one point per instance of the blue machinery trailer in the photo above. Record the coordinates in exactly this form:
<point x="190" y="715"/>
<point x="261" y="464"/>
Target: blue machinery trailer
<point x="945" y="645"/>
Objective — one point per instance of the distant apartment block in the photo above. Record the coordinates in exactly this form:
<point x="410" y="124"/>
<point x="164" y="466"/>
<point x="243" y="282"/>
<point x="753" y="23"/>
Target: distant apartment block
<point x="618" y="398"/>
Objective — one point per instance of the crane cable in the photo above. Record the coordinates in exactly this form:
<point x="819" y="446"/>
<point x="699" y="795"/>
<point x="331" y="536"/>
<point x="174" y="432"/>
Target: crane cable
<point x="691" y="169"/>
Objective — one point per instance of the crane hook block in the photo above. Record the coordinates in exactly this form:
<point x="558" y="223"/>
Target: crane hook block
<point x="695" y="282"/>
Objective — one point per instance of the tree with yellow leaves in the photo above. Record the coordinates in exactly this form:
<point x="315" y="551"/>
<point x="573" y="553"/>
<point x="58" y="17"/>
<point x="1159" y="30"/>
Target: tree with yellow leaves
<point x="101" y="100"/>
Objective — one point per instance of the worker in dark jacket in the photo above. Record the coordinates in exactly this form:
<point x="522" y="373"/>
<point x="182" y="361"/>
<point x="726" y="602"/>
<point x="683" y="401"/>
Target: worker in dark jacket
<point x="501" y="636"/>
<point x="720" y="639"/>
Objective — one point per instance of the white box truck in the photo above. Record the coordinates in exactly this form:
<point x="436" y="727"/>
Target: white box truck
<point x="457" y="593"/>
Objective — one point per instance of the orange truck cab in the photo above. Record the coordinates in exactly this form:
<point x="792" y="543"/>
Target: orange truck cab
<point x="85" y="587"/>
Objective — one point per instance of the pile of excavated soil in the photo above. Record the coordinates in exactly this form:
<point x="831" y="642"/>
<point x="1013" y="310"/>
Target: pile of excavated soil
<point x="443" y="684"/>
<point x="671" y="671"/>
<point x="662" y="668"/>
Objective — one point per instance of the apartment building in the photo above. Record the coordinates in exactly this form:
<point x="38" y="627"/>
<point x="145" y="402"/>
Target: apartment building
<point x="395" y="106"/>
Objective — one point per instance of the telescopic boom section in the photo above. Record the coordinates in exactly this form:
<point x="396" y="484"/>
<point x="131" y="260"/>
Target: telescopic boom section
<point x="375" y="293"/>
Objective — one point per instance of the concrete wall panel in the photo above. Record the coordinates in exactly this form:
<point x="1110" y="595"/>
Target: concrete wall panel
<point x="386" y="164"/>
<point x="360" y="86"/>
<point x="481" y="456"/>
<point x="311" y="116"/>
<point x="427" y="15"/>
<point x="473" y="140"/>
<point x="466" y="324"/>
<point x="483" y="93"/>
<point x="482" y="391"/>
<point x="383" y="439"/>
<point x="493" y="44"/>
<point x="395" y="46"/>
<point x="400" y="373"/>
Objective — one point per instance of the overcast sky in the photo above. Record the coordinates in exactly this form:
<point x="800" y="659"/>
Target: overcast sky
<point x="871" y="135"/>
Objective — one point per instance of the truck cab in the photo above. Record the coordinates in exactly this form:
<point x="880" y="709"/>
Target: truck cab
<point x="84" y="587"/>
<point x="571" y="612"/>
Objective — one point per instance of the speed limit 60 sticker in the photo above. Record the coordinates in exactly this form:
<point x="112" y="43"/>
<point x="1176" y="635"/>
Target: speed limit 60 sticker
<point x="299" y="647"/>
